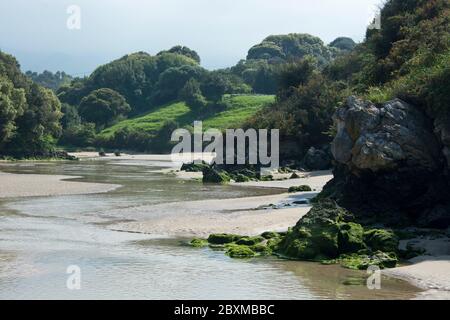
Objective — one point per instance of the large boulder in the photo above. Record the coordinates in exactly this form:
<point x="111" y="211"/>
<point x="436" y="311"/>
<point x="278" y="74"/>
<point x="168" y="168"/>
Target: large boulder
<point x="391" y="163"/>
<point x="374" y="138"/>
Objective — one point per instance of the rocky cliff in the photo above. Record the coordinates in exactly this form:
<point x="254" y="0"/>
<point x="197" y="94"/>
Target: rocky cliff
<point x="392" y="164"/>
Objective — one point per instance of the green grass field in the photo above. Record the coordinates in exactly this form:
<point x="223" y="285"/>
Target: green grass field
<point x="241" y="108"/>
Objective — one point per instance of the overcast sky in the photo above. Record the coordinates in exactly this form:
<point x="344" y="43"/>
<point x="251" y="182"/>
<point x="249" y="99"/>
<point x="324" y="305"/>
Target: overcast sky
<point x="221" y="31"/>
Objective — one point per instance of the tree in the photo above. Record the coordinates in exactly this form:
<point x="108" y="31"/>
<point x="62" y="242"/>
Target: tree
<point x="185" y="51"/>
<point x="172" y="80"/>
<point x="192" y="95"/>
<point x="103" y="107"/>
<point x="214" y="86"/>
<point x="12" y="104"/>
<point x="343" y="43"/>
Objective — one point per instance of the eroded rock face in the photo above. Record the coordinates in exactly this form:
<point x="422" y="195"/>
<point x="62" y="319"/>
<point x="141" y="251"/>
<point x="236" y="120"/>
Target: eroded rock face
<point x="384" y="138"/>
<point x="392" y="163"/>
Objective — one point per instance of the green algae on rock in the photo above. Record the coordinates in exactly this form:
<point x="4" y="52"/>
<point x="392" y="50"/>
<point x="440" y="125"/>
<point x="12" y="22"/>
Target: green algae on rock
<point x="223" y="238"/>
<point x="250" y="241"/>
<point x="303" y="188"/>
<point x="239" y="251"/>
<point x="198" y="243"/>
<point x="315" y="236"/>
<point x="351" y="237"/>
<point x="381" y="239"/>
<point x="211" y="175"/>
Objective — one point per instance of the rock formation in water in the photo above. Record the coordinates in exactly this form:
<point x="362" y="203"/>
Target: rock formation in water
<point x="392" y="164"/>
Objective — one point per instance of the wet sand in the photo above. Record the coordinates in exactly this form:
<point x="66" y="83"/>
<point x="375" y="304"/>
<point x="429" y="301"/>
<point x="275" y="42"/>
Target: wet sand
<point x="34" y="185"/>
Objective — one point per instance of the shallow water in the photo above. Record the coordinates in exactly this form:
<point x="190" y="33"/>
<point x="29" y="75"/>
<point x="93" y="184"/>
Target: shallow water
<point x="41" y="236"/>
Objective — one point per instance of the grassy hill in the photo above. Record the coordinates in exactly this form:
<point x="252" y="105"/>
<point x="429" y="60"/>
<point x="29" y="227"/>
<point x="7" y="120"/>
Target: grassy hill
<point x="240" y="108"/>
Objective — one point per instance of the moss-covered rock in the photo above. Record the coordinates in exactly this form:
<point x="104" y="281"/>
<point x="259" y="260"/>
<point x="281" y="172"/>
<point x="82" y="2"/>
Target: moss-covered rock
<point x="382" y="240"/>
<point x="240" y="252"/>
<point x="274" y="244"/>
<point x="194" y="167"/>
<point x="303" y="188"/>
<point x="223" y="238"/>
<point x="198" y="243"/>
<point x="350" y="237"/>
<point x="266" y="178"/>
<point x="362" y="262"/>
<point x="250" y="241"/>
<point x="241" y="178"/>
<point x="211" y="175"/>
<point x="262" y="249"/>
<point x="316" y="234"/>
<point x="270" y="235"/>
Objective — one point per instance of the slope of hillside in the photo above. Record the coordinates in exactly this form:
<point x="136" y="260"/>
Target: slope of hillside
<point x="240" y="109"/>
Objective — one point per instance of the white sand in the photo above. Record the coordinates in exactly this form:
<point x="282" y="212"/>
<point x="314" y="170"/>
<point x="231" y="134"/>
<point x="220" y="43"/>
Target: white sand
<point x="33" y="185"/>
<point x="431" y="273"/>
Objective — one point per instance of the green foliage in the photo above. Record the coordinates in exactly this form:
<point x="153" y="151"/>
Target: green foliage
<point x="29" y="114"/>
<point x="303" y="109"/>
<point x="291" y="46"/>
<point x="343" y="43"/>
<point x="12" y="104"/>
<point x="134" y="76"/>
<point x="144" y="129"/>
<point x="185" y="51"/>
<point x="49" y="79"/>
<point x="192" y="94"/>
<point x="407" y="58"/>
<point x="79" y="135"/>
<point x="103" y="107"/>
<point x="173" y="80"/>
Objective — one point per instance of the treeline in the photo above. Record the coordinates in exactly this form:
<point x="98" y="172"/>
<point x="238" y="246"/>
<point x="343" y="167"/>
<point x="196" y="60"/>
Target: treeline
<point x="407" y="58"/>
<point x="29" y="113"/>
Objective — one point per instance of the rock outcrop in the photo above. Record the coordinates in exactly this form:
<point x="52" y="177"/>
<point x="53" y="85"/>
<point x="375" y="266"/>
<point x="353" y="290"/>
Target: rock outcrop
<point x="317" y="159"/>
<point x="392" y="163"/>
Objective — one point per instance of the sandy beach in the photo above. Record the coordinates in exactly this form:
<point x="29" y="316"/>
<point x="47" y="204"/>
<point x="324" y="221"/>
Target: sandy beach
<point x="34" y="185"/>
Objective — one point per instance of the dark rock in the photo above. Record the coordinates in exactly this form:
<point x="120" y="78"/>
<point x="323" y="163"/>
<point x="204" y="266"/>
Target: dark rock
<point x="438" y="217"/>
<point x="317" y="159"/>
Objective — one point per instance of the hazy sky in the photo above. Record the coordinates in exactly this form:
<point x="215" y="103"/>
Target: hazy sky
<point x="221" y="31"/>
